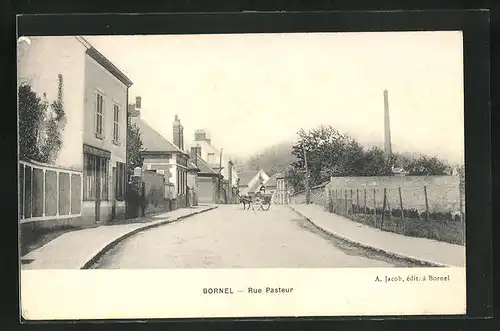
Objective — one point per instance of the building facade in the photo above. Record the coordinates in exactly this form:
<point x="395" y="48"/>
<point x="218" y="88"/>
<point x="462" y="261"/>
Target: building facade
<point x="212" y="156"/>
<point x="161" y="154"/>
<point x="104" y="139"/>
<point x="281" y="196"/>
<point x="85" y="183"/>
<point x="207" y="180"/>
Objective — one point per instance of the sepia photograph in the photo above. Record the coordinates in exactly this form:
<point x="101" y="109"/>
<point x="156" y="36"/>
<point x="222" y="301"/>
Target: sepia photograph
<point x="242" y="165"/>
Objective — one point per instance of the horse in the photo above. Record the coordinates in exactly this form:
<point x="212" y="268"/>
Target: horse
<point x="245" y="200"/>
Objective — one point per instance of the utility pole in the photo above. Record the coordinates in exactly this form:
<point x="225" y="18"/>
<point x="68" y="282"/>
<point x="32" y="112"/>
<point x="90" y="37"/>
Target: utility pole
<point x="308" y="193"/>
<point x="220" y="171"/>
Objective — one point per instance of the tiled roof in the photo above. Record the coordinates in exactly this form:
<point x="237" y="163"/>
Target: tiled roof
<point x="152" y="140"/>
<point x="204" y="167"/>
<point x="246" y="177"/>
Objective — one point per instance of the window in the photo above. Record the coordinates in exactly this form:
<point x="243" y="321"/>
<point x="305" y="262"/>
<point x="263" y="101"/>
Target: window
<point x="120" y="181"/>
<point x="178" y="182"/>
<point x="211" y="158"/>
<point x="99" y="114"/>
<point x="95" y="175"/>
<point x="116" y="123"/>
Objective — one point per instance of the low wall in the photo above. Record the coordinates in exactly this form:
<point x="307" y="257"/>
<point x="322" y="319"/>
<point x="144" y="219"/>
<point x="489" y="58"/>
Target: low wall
<point x="319" y="196"/>
<point x="444" y="193"/>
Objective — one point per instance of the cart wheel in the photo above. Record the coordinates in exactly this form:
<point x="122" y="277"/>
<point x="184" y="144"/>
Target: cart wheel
<point x="266" y="205"/>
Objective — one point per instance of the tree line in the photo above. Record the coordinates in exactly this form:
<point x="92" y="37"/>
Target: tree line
<point x="330" y="153"/>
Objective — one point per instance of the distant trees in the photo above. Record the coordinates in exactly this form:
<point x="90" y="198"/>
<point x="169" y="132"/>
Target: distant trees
<point x="272" y="160"/>
<point x="330" y="153"/>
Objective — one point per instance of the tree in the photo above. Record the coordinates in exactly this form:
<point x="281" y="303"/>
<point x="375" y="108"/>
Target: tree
<point x="426" y="166"/>
<point x="31" y="112"/>
<point x="134" y="147"/>
<point x="375" y="163"/>
<point x="40" y="126"/>
<point x="294" y="178"/>
<point x="329" y="153"/>
<point x="54" y="125"/>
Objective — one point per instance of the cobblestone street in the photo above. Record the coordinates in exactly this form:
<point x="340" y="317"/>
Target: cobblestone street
<point x="229" y="237"/>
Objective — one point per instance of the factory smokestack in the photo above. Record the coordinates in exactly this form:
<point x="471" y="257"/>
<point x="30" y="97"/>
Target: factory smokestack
<point x="387" y="127"/>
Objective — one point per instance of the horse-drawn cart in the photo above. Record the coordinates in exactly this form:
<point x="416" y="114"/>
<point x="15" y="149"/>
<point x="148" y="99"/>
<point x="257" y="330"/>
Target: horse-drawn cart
<point x="260" y="200"/>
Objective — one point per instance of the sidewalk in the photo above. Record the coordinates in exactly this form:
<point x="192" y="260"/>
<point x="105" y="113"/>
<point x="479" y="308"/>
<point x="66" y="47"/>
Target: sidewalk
<point x="421" y="250"/>
<point x="79" y="249"/>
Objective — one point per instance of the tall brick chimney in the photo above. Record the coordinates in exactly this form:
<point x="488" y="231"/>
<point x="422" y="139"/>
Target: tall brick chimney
<point x="178" y="132"/>
<point x="387" y="127"/>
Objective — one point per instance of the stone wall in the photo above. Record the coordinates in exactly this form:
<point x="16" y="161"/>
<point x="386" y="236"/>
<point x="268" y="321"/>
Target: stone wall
<point x="444" y="193"/>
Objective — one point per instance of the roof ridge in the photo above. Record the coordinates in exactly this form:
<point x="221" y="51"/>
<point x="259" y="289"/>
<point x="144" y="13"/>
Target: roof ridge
<point x="159" y="134"/>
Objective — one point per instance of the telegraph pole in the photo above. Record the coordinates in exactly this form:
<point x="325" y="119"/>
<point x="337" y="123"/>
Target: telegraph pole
<point x="220" y="171"/>
<point x="308" y="193"/>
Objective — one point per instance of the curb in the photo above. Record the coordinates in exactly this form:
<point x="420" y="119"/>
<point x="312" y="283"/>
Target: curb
<point x="109" y="246"/>
<point x="421" y="262"/>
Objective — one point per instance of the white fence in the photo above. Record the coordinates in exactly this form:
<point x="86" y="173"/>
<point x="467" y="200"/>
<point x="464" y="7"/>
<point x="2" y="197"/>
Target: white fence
<point x="48" y="192"/>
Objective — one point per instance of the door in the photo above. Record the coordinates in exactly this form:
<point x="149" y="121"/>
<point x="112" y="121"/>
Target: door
<point x="113" y="197"/>
<point x="98" y="190"/>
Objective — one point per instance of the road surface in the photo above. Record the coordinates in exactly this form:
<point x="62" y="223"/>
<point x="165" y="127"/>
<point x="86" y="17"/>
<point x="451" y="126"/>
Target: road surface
<point x="229" y="237"/>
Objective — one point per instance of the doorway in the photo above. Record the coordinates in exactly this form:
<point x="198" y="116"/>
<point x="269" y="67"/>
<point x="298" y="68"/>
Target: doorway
<point x="113" y="198"/>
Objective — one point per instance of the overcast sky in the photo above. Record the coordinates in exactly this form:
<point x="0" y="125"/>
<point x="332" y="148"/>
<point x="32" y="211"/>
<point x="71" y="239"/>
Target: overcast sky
<point x="254" y="90"/>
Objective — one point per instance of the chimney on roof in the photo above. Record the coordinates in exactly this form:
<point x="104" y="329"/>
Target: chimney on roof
<point x="195" y="153"/>
<point x="200" y="135"/>
<point x="134" y="110"/>
<point x="178" y="131"/>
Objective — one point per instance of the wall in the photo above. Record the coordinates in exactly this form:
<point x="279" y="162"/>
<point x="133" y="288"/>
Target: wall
<point x="97" y="78"/>
<point x="206" y="189"/>
<point x="154" y="192"/>
<point x="443" y="193"/>
<point x="40" y="65"/>
<point x="319" y="196"/>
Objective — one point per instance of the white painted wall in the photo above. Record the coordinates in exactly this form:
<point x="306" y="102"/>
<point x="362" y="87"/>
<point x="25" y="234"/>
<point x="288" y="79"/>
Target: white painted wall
<point x="206" y="148"/>
<point x="39" y="64"/>
<point x="97" y="78"/>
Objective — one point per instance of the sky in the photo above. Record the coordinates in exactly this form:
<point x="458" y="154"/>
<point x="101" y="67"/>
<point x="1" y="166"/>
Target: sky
<point x="251" y="91"/>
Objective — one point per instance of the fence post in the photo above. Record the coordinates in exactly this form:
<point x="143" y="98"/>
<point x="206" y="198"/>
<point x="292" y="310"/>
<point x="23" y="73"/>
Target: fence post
<point x="401" y="207"/>
<point x="364" y="190"/>
<point x="426" y="204"/>
<point x="375" y="206"/>
<point x="383" y="208"/>
<point x="357" y="200"/>
<point x="345" y="197"/>
<point x="350" y="205"/>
